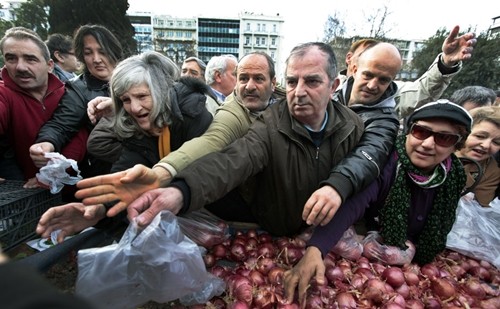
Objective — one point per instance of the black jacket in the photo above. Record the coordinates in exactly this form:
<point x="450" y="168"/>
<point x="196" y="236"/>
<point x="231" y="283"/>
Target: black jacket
<point x="71" y="114"/>
<point x="359" y="168"/>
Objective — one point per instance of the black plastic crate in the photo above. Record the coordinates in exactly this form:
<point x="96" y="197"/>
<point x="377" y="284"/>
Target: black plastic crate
<point x="20" y="210"/>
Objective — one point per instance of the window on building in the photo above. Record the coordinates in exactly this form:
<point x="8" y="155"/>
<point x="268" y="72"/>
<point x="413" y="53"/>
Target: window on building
<point x="258" y="27"/>
<point x="273" y="41"/>
<point x="263" y="27"/>
<point x="257" y="41"/>
<point x="247" y="40"/>
<point x="263" y="41"/>
<point x="274" y="28"/>
<point x="273" y="55"/>
<point x="248" y="27"/>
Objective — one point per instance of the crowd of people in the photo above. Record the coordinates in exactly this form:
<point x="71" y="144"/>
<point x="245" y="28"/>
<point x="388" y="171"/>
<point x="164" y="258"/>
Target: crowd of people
<point x="326" y="149"/>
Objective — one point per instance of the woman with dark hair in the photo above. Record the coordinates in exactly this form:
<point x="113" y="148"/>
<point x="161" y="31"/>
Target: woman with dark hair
<point x="99" y="51"/>
<point x="411" y="204"/>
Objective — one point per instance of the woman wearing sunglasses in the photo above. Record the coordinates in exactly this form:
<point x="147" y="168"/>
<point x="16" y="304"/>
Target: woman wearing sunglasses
<point x="481" y="145"/>
<point x="413" y="199"/>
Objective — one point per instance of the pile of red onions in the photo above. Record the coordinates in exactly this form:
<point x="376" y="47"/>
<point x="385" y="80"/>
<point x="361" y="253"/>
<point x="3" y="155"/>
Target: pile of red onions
<point x="252" y="264"/>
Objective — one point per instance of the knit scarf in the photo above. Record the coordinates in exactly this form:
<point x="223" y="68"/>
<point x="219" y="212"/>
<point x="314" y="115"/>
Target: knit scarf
<point x="449" y="178"/>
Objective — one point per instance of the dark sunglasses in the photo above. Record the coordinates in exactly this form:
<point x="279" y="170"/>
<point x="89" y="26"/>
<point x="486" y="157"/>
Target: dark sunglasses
<point x="441" y="139"/>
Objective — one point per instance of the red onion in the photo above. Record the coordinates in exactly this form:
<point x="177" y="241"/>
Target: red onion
<point x="480" y="272"/>
<point x="474" y="288"/>
<point x="442" y="288"/>
<point x="263" y="298"/>
<point x="346" y="300"/>
<point x="430" y="271"/>
<point x="394" y="276"/>
<point x="264" y="265"/>
<point x="209" y="260"/>
<point x="374" y="289"/>
<point x="267" y="250"/>
<point x="333" y="273"/>
<point x="219" y="251"/>
<point x="257" y="277"/>
<point x="237" y="252"/>
<point x="238" y="305"/>
<point x="411" y="278"/>
<point x="414" y="304"/>
<point x="275" y="275"/>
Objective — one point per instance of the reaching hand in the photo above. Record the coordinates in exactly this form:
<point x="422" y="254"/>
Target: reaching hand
<point x="123" y="187"/>
<point x="98" y="108"/>
<point x="151" y="203"/>
<point x="71" y="218"/>
<point x="458" y="48"/>
<point x="321" y="206"/>
<point x="301" y="274"/>
<point x="37" y="153"/>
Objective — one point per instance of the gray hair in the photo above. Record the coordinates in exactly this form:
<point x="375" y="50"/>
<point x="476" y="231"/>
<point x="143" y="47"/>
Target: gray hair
<point x="217" y="64"/>
<point x="331" y="63"/>
<point x="159" y="73"/>
<point x="201" y="64"/>
<point x="21" y="33"/>
<point x="479" y="95"/>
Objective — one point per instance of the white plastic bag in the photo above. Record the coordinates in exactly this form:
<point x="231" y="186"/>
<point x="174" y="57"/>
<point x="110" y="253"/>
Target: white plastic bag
<point x="158" y="263"/>
<point x="476" y="231"/>
<point x="54" y="174"/>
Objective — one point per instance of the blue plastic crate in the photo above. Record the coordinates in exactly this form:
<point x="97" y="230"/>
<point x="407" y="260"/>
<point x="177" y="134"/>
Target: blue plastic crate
<point x="20" y="210"/>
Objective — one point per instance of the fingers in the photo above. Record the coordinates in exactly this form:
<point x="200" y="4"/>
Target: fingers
<point x="453" y="34"/>
<point x="116" y="209"/>
<point x="98" y="107"/>
<point x="37" y="153"/>
<point x="94" y="212"/>
<point x="31" y="184"/>
<point x="97" y="195"/>
<point x="291" y="280"/>
<point x="100" y="180"/>
<point x="134" y="173"/>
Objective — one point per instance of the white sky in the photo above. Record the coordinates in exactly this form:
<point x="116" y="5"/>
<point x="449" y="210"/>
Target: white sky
<point x="305" y="20"/>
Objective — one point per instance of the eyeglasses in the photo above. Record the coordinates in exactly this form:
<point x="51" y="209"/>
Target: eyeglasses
<point x="441" y="139"/>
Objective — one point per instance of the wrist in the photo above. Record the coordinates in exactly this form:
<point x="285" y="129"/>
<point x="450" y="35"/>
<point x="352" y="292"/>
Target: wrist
<point x="447" y="63"/>
<point x="163" y="175"/>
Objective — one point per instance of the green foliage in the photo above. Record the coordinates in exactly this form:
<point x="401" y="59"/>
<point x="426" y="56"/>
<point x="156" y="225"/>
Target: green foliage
<point x="482" y="69"/>
<point x="67" y="15"/>
<point x="32" y="14"/>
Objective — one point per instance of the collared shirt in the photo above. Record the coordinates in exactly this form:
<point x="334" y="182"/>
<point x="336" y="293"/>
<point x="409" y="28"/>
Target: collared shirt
<point x="219" y="95"/>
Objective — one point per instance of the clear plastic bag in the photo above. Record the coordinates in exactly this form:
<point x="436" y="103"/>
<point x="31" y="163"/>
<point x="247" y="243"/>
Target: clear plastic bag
<point x="349" y="245"/>
<point x="203" y="228"/>
<point x="476" y="231"/>
<point x="55" y="175"/>
<point x="158" y="263"/>
<point x="374" y="249"/>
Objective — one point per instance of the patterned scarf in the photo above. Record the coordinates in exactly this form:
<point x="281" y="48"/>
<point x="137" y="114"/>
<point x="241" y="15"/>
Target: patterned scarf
<point x="450" y="178"/>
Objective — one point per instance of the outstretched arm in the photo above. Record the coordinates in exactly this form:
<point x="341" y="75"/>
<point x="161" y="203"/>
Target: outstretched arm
<point x="71" y="218"/>
<point x="431" y="85"/>
<point x="124" y="187"/>
<point x="151" y="203"/>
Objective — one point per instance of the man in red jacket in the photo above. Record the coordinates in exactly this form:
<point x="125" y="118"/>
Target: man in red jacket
<point x="29" y="94"/>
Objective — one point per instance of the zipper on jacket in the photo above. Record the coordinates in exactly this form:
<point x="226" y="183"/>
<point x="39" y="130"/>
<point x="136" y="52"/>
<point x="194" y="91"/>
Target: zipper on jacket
<point x="317" y="152"/>
<point x="371" y="160"/>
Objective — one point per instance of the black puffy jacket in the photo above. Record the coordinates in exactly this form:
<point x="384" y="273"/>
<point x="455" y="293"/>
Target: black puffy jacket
<point x="359" y="168"/>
